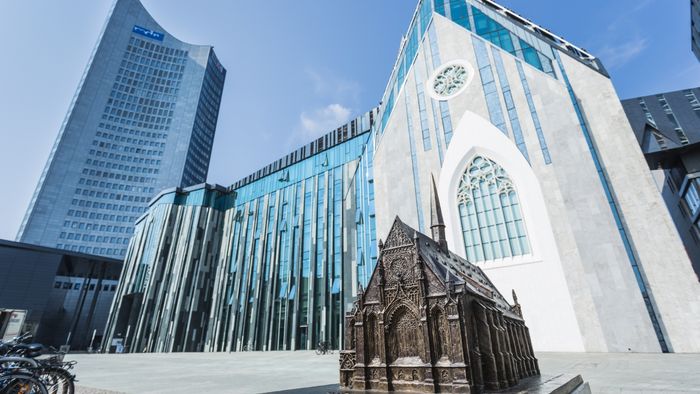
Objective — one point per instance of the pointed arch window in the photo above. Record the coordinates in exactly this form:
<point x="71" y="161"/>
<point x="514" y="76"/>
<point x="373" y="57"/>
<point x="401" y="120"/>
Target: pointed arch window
<point x="489" y="213"/>
<point x="372" y="334"/>
<point x="439" y="333"/>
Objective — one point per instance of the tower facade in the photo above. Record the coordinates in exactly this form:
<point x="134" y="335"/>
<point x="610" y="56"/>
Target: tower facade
<point x="142" y="119"/>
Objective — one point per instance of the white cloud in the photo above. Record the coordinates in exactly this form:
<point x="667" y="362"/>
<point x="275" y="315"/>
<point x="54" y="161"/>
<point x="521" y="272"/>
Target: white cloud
<point x="332" y="86"/>
<point x="615" y="56"/>
<point x="323" y="120"/>
<point x="327" y="87"/>
<point x="642" y="4"/>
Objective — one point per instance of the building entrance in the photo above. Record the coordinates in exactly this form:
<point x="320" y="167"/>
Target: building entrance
<point x="11" y="322"/>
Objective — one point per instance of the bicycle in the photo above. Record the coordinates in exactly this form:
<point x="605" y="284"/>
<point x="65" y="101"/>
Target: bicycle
<point x="21" y="383"/>
<point x="17" y="376"/>
<point x="21" y="366"/>
<point x="324" y="347"/>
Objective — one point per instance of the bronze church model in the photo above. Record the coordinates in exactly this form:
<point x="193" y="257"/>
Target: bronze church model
<point x="429" y="321"/>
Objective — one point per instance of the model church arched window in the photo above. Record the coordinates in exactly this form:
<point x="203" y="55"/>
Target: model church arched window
<point x="489" y="212"/>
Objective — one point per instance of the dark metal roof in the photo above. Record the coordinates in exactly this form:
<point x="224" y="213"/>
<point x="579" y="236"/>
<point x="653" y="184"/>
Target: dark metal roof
<point x="453" y="269"/>
<point x="62" y="252"/>
<point x="678" y="102"/>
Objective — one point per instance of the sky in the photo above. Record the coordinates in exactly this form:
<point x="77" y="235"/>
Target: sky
<point x="296" y="69"/>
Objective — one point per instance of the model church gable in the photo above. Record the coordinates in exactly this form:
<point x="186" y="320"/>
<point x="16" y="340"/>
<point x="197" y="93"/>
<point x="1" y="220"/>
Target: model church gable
<point x="418" y="327"/>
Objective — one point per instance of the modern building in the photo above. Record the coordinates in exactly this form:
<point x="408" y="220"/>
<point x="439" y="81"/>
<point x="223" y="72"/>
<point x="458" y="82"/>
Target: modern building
<point x="62" y="297"/>
<point x="695" y="26"/>
<point x="542" y="186"/>
<point x="667" y="127"/>
<point x="269" y="263"/>
<point x="142" y="119"/>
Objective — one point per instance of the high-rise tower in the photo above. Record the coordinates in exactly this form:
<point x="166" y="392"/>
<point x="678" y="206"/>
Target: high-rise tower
<point x="143" y="118"/>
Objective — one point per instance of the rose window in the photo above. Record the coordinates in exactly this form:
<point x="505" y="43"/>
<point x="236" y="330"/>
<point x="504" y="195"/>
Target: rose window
<point x="449" y="80"/>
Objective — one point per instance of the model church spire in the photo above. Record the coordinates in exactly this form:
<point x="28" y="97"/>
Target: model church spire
<point x="437" y="224"/>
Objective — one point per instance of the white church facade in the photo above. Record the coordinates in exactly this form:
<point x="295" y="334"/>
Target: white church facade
<point x="542" y="183"/>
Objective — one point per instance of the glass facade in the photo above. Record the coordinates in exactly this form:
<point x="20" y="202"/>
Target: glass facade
<point x="119" y="144"/>
<point x="499" y="26"/>
<point x="298" y="301"/>
<point x="280" y="254"/>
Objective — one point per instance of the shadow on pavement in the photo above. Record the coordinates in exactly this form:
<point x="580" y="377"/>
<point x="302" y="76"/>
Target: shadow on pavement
<point x="329" y="388"/>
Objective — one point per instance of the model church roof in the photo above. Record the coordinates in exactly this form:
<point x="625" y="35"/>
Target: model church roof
<point x="452" y="270"/>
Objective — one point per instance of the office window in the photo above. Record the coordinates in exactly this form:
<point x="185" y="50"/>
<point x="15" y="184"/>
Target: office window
<point x="693" y="101"/>
<point x="692" y="196"/>
<point x="672" y="118"/>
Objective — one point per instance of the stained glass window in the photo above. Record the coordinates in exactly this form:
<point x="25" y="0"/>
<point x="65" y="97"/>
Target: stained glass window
<point x="489" y="211"/>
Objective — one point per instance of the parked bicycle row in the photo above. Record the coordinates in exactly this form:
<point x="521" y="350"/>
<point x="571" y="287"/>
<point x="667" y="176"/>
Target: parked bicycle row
<point x="30" y="368"/>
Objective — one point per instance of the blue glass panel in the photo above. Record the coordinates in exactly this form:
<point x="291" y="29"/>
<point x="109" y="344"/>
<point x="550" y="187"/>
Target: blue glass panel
<point x="335" y="289"/>
<point x="530" y="55"/>
<point x="489" y="85"/>
<point x="440" y="7"/>
<point x="510" y="105"/>
<point x="459" y="14"/>
<point x="492" y="31"/>
<point x="446" y="121"/>
<point x="533" y="114"/>
<point x="422" y="112"/>
<point x="425" y="13"/>
<point x="505" y="41"/>
<point x="414" y="165"/>
<point x="483" y="24"/>
<point x="283" y="290"/>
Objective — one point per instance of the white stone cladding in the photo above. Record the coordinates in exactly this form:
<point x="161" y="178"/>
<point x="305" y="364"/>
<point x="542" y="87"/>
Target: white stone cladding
<point x="526" y="274"/>
<point x="577" y="287"/>
<point x="668" y="273"/>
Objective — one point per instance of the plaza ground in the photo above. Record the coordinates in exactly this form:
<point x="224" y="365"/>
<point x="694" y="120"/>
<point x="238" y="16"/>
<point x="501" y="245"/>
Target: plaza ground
<point x="255" y="372"/>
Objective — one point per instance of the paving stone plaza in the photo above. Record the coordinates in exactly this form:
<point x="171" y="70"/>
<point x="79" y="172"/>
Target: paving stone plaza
<point x="497" y="223"/>
<point x="256" y="372"/>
